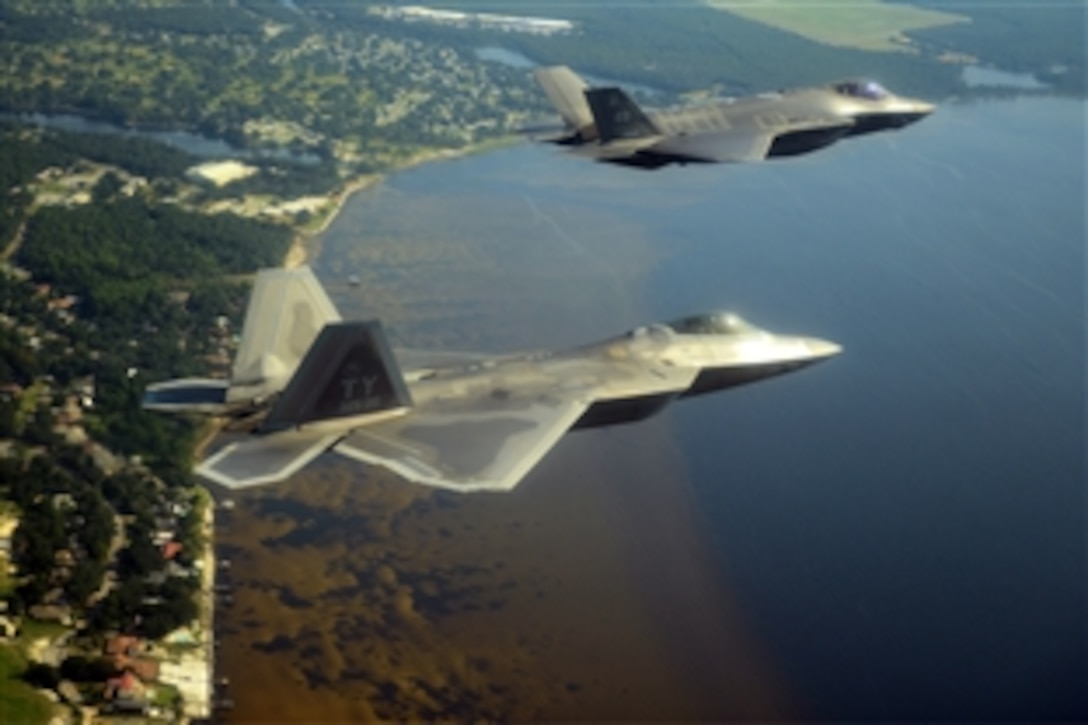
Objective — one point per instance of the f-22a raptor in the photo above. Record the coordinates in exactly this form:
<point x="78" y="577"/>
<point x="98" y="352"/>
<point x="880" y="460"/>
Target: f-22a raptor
<point x="605" y="124"/>
<point x="462" y="422"/>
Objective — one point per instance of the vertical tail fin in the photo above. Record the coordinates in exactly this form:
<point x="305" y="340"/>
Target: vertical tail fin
<point x="349" y="371"/>
<point x="287" y="309"/>
<point x="617" y="116"/>
<point x="566" y="91"/>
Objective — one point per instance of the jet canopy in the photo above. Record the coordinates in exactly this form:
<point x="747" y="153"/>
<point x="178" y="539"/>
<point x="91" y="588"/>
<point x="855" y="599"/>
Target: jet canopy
<point x="867" y="89"/>
<point x="715" y="323"/>
<point x="649" y="337"/>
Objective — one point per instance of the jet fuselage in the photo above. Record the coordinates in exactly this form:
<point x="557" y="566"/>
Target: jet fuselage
<point x="714" y="356"/>
<point x="605" y="124"/>
<point x="801" y="120"/>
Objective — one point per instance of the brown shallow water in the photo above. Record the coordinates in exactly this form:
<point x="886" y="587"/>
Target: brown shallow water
<point x="589" y="592"/>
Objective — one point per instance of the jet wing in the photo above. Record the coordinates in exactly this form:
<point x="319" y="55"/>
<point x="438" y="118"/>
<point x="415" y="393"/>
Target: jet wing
<point x="268" y="458"/>
<point x="723" y="146"/>
<point x="745" y="142"/>
<point x="614" y="149"/>
<point x="468" y="444"/>
<point x="731" y="146"/>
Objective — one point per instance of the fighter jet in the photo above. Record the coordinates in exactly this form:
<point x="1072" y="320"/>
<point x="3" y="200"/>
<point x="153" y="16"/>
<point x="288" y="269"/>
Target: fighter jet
<point x="456" y="421"/>
<point x="605" y="124"/>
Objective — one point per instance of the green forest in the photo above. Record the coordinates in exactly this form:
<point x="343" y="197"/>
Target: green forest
<point x="116" y="253"/>
<point x="150" y="284"/>
<point x="218" y="69"/>
<point x="676" y="45"/>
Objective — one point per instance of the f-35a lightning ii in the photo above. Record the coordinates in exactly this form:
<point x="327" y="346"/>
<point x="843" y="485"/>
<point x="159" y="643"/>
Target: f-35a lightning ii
<point x="605" y="124"/>
<point x="460" y="422"/>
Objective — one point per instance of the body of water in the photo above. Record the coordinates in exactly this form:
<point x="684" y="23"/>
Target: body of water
<point x="903" y="526"/>
<point x="189" y="142"/>
<point x="512" y="58"/>
<point x="976" y="76"/>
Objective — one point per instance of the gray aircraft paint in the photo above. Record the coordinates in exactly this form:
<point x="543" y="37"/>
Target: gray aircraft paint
<point x="755" y="128"/>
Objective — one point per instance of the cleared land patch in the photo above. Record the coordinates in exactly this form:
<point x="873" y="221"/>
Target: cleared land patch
<point x="863" y="24"/>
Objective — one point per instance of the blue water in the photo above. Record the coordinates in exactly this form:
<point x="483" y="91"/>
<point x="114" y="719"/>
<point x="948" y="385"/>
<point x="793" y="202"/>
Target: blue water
<point x="504" y="56"/>
<point x="907" y="522"/>
<point x="904" y="525"/>
<point x="977" y="76"/>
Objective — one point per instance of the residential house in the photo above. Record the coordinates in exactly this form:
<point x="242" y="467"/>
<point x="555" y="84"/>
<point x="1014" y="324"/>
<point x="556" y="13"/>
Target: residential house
<point x="127" y="694"/>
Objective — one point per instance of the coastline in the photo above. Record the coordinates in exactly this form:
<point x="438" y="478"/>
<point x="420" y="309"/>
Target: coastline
<point x="304" y="246"/>
<point x="192" y="671"/>
<point x="300" y="250"/>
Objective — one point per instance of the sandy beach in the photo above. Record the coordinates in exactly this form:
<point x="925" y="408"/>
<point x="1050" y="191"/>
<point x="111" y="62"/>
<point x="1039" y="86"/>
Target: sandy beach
<point x="303" y="246"/>
<point x="299" y="252"/>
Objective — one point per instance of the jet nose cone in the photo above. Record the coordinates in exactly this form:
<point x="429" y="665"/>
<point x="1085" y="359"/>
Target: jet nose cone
<point x="914" y="111"/>
<point x="919" y="110"/>
<point x="821" y="349"/>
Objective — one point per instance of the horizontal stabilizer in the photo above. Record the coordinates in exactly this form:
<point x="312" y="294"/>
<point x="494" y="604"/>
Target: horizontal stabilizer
<point x="266" y="459"/>
<point x="200" y="395"/>
<point x="557" y="137"/>
<point x="555" y="133"/>
<point x="470" y="445"/>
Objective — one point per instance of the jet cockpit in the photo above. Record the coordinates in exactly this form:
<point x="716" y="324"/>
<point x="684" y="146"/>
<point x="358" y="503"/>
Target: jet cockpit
<point x="865" y="89"/>
<point x="715" y="323"/>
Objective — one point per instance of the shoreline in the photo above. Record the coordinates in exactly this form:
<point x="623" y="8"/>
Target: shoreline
<point x="302" y="250"/>
<point x="298" y="253"/>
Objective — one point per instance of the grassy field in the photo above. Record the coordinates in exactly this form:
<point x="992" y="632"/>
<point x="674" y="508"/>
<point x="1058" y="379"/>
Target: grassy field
<point x="19" y="703"/>
<point x="31" y="629"/>
<point x="863" y="24"/>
